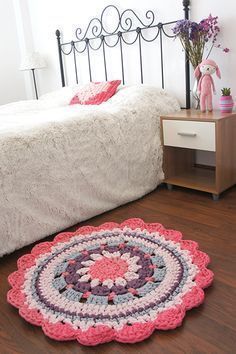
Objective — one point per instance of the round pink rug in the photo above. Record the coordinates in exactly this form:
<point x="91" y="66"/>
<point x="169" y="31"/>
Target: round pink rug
<point x="112" y="282"/>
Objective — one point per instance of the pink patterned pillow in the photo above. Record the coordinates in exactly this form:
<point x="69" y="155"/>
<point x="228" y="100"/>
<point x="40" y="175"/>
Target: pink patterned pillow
<point x="95" y="92"/>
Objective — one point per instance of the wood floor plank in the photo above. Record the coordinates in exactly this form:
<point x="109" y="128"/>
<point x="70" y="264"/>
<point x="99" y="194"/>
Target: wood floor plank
<point x="210" y="329"/>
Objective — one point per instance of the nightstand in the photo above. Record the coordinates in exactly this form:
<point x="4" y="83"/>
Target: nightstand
<point x="184" y="133"/>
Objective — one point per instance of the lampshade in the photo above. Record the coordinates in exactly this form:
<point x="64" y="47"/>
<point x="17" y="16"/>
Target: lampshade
<point x="32" y="61"/>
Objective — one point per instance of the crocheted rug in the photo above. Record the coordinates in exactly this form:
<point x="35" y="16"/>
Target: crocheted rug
<point x="112" y="282"/>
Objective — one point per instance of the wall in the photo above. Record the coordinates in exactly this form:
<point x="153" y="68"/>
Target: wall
<point x="47" y="16"/>
<point x="226" y="11"/>
<point x="12" y="86"/>
<point x="25" y="41"/>
<point x="33" y="25"/>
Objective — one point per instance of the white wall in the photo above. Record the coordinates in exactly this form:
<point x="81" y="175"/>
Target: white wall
<point x="47" y="16"/>
<point x="226" y="10"/>
<point x="27" y="25"/>
<point x="25" y="41"/>
<point x="12" y="86"/>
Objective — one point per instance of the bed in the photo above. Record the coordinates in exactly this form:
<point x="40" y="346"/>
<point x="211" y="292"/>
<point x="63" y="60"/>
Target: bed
<point x="62" y="164"/>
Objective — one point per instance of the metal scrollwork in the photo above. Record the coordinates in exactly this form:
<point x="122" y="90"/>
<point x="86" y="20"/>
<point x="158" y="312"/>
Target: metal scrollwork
<point x="94" y="27"/>
<point x="125" y="21"/>
<point x="80" y="47"/>
<point x="67" y="49"/>
<point x="126" y="28"/>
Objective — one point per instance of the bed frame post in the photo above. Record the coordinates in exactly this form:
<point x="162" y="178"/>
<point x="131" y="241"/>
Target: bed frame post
<point x="58" y="34"/>
<point x="186" y="4"/>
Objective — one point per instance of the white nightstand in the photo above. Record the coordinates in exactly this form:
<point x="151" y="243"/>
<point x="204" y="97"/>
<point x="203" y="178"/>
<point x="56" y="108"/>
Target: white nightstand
<point x="186" y="132"/>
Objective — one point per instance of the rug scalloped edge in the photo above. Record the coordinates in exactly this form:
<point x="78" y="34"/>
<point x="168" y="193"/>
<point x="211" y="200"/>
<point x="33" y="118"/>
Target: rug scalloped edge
<point x="128" y="334"/>
<point x="28" y="260"/>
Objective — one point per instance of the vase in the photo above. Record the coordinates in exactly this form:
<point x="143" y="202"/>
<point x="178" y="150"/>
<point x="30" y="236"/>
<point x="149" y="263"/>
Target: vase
<point x="226" y="104"/>
<point x="195" y="95"/>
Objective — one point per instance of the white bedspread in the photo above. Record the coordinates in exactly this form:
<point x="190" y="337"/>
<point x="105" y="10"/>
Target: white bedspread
<point x="62" y="164"/>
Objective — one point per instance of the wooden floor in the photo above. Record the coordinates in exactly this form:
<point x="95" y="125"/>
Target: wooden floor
<point x="210" y="329"/>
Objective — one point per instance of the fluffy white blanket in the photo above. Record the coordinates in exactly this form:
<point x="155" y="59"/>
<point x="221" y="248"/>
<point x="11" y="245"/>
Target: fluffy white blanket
<point x="62" y="164"/>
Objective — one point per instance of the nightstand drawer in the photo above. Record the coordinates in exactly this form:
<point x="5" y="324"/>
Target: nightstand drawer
<point x="189" y="134"/>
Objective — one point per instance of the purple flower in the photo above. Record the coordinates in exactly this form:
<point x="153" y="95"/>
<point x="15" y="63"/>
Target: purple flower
<point x="194" y="36"/>
<point x="194" y="31"/>
<point x="225" y="50"/>
<point x="182" y="28"/>
<point x="209" y="27"/>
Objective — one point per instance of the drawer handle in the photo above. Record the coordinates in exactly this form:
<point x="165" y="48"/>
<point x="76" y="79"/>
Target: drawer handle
<point x="187" y="134"/>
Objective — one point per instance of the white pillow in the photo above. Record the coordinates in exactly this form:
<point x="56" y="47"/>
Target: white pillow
<point x="61" y="96"/>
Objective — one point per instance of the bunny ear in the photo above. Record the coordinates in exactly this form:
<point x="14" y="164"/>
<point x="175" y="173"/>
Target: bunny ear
<point x="197" y="71"/>
<point x="218" y="72"/>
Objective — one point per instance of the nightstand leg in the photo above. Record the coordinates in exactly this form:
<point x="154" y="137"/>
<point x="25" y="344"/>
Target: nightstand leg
<point x="215" y="197"/>
<point x="169" y="186"/>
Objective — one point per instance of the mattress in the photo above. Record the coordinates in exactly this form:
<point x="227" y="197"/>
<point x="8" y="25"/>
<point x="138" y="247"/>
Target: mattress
<point x="61" y="164"/>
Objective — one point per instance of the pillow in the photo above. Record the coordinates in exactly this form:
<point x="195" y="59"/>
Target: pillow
<point x="95" y="92"/>
<point x="61" y="96"/>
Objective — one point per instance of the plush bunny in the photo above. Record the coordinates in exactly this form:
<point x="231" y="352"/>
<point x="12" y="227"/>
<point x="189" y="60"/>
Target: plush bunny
<point x="206" y="84"/>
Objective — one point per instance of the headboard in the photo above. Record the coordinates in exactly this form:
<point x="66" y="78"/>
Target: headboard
<point x="97" y="35"/>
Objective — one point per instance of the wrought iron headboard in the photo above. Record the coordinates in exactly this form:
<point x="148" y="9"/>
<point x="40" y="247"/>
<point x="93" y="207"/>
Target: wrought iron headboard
<point x="97" y="31"/>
